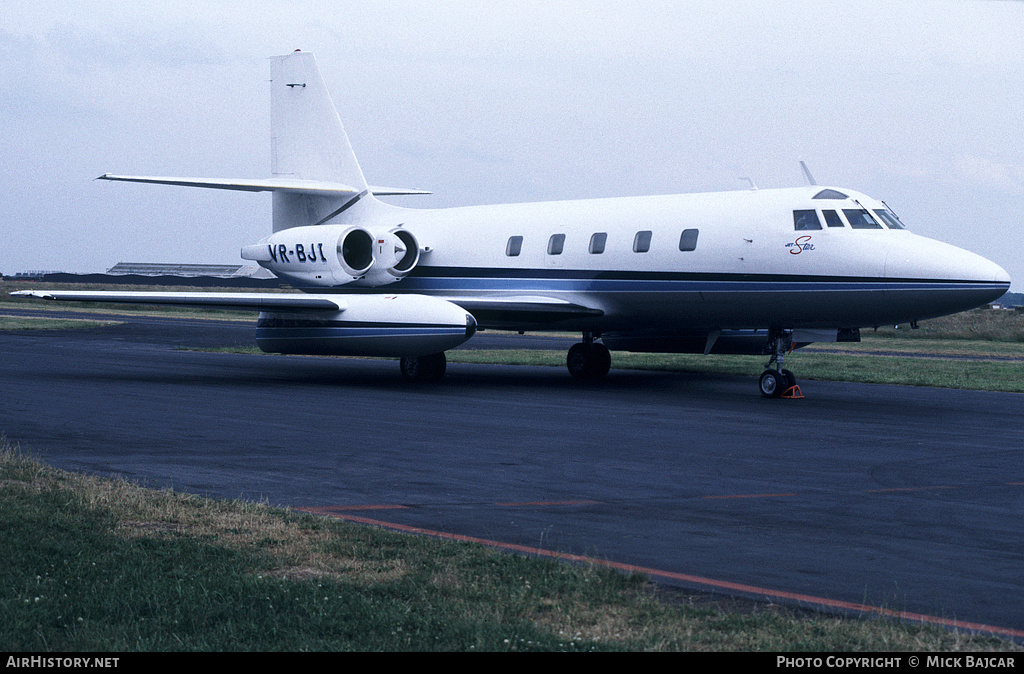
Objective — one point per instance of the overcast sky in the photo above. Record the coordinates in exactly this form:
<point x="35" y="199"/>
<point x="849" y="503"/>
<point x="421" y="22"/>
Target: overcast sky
<point x="918" y="103"/>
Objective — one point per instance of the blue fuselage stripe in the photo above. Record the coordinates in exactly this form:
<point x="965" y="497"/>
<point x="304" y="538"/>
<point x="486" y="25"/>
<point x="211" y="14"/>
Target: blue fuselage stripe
<point x="460" y="284"/>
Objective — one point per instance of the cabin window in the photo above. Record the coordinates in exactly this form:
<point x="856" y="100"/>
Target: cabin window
<point x="688" y="239"/>
<point x="555" y="244"/>
<point x="642" y="241"/>
<point x="830" y="194"/>
<point x="514" y="246"/>
<point x="597" y="242"/>
<point x="860" y="219"/>
<point x="889" y="218"/>
<point x="832" y="219"/>
<point x="804" y="220"/>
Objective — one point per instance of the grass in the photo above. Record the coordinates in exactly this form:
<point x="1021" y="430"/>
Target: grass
<point x="978" y="324"/>
<point x="93" y="564"/>
<point x="11" y="323"/>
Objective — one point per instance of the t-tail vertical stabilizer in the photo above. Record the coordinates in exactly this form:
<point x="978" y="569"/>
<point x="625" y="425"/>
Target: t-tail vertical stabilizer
<point x="308" y="142"/>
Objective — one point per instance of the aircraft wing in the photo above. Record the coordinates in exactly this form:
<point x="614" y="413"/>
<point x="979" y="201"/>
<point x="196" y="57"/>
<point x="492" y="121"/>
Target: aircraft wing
<point x="250" y="301"/>
<point x="494" y="311"/>
<point x="293" y="185"/>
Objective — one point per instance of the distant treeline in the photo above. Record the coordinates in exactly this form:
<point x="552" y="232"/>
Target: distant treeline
<point x="1012" y="300"/>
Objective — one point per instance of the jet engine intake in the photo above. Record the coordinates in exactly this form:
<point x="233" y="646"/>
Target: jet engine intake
<point x="336" y="255"/>
<point x="395" y="253"/>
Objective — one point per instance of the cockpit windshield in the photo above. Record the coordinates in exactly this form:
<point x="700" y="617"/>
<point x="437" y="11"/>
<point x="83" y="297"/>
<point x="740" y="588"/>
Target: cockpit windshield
<point x="859" y="218"/>
<point x="889" y="218"/>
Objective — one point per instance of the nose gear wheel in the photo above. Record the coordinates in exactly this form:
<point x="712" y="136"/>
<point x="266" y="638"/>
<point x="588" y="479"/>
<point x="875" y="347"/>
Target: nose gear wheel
<point x="778" y="383"/>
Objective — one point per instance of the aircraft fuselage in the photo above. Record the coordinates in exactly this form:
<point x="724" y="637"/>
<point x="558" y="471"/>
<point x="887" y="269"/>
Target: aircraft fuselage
<point x="732" y="260"/>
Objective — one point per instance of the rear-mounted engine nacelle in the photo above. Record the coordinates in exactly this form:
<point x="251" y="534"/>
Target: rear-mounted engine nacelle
<point x="335" y="255"/>
<point x="395" y="253"/>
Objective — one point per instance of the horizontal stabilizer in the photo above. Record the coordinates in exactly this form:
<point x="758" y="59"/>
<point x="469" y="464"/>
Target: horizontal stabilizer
<point x="244" y="301"/>
<point x="293" y="185"/>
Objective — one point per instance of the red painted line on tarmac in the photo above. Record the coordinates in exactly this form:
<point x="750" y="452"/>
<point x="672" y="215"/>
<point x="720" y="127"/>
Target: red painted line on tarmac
<point x="330" y="510"/>
<point x="696" y="580"/>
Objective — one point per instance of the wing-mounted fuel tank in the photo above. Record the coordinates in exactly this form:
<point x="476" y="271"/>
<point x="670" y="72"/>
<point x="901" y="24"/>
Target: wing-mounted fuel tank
<point x="368" y="325"/>
<point x="336" y="255"/>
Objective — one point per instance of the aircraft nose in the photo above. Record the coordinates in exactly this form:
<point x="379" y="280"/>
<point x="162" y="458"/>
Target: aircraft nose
<point x="991" y="280"/>
<point x="1001" y="276"/>
<point x="979" y="269"/>
<point x="945" y="279"/>
<point x="923" y="258"/>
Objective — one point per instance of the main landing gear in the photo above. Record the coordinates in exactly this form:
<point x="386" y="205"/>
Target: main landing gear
<point x="424" y="368"/>
<point x="588" y="359"/>
<point x="778" y="383"/>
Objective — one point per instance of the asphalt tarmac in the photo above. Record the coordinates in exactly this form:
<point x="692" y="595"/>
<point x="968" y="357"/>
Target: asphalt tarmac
<point x="855" y="497"/>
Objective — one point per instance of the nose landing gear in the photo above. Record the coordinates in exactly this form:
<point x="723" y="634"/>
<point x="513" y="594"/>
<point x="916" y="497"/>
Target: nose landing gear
<point x="778" y="383"/>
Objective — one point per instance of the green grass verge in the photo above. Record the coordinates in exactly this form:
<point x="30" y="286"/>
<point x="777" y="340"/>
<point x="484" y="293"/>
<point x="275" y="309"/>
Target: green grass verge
<point x="12" y="323"/>
<point x="976" y="324"/>
<point x="91" y="564"/>
<point x="868" y="368"/>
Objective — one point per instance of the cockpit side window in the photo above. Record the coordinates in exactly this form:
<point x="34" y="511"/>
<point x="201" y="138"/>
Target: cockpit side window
<point x="832" y="219"/>
<point x="859" y="218"/>
<point x="889" y="218"/>
<point x="804" y="220"/>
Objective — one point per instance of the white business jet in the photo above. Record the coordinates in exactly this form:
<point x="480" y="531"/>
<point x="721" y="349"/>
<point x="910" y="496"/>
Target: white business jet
<point x="753" y="271"/>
